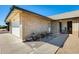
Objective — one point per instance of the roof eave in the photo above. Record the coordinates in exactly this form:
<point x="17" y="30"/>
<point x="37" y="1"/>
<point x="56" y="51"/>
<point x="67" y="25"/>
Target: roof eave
<point x="11" y="9"/>
<point x="15" y="7"/>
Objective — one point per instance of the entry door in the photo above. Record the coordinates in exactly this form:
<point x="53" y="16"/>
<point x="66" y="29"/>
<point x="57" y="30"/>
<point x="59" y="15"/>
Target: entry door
<point x="60" y="26"/>
<point x="69" y="27"/>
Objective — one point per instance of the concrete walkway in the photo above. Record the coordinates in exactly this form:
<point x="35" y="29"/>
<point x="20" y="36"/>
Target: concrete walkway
<point x="71" y="46"/>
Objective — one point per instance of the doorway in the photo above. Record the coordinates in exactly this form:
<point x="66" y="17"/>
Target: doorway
<point x="60" y="26"/>
<point x="69" y="27"/>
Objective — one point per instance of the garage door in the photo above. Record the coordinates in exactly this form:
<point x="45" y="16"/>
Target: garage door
<point x="16" y="28"/>
<point x="16" y="31"/>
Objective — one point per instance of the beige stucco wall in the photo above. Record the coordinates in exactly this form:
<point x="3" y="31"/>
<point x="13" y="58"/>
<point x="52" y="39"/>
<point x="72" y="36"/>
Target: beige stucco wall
<point x="33" y="23"/>
<point x="75" y="26"/>
<point x="55" y="26"/>
<point x="15" y="25"/>
<point x="64" y="24"/>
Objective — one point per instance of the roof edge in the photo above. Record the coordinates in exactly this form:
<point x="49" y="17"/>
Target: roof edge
<point x="16" y="7"/>
<point x="11" y="9"/>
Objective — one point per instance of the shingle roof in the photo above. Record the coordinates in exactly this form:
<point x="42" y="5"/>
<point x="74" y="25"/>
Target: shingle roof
<point x="66" y="15"/>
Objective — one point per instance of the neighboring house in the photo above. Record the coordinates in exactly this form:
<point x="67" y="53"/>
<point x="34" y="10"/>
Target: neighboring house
<point x="23" y="22"/>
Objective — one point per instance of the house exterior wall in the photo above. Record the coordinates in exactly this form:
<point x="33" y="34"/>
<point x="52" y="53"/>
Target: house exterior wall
<point x="75" y="26"/>
<point x="15" y="25"/>
<point x="24" y="23"/>
<point x="64" y="24"/>
<point x="33" y="23"/>
<point x="55" y="26"/>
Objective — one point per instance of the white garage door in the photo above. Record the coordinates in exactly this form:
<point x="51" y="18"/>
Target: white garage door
<point x="16" y="31"/>
<point x="16" y="28"/>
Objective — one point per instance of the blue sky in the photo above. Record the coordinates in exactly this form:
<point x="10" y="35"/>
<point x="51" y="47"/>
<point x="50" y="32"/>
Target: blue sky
<point x="46" y="10"/>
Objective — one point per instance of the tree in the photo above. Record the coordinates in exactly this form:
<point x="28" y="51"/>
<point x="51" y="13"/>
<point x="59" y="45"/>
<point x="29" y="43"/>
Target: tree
<point x="3" y="27"/>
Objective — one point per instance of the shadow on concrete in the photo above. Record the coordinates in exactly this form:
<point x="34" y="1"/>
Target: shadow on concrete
<point x="57" y="39"/>
<point x="54" y="39"/>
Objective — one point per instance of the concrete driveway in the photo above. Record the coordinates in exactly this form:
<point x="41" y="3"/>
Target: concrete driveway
<point x="9" y="44"/>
